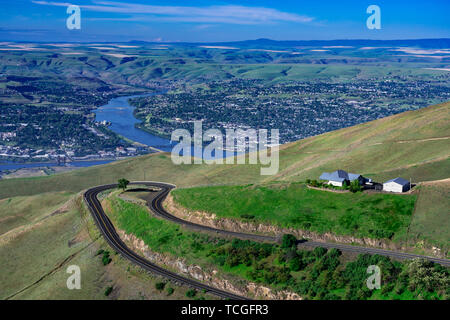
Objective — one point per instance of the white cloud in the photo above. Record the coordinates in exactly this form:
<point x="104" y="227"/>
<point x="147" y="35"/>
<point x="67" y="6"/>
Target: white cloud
<point x="231" y="14"/>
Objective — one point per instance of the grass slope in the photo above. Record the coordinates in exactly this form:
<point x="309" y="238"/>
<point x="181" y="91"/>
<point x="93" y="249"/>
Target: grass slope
<point x="296" y="206"/>
<point x="46" y="235"/>
<point x="431" y="219"/>
<point x="18" y="211"/>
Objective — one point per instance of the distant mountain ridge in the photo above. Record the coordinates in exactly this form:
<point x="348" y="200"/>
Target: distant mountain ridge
<point x="436" y="43"/>
<point x="423" y="43"/>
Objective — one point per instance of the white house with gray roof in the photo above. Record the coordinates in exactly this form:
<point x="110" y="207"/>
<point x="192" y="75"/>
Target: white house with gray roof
<point x="396" y="185"/>
<point x="338" y="177"/>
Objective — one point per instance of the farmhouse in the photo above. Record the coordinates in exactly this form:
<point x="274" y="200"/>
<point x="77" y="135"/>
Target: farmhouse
<point x="338" y="177"/>
<point x="396" y="185"/>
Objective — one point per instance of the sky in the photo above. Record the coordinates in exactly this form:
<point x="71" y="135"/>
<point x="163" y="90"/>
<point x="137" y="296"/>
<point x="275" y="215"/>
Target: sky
<point x="218" y="21"/>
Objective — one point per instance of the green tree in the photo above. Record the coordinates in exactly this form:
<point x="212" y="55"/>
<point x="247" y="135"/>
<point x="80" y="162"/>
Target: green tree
<point x="296" y="264"/>
<point x="345" y="185"/>
<point x="355" y="186"/>
<point x="424" y="276"/>
<point x="123" y="183"/>
<point x="288" y="241"/>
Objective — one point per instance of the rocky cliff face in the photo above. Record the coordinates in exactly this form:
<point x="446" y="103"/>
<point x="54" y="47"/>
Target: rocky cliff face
<point x="212" y="220"/>
<point x="210" y="277"/>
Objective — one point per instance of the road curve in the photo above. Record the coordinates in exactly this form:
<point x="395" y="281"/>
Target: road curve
<point x="113" y="239"/>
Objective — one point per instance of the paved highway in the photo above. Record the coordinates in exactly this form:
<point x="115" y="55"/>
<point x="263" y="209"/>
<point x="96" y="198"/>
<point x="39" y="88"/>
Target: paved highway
<point x="113" y="239"/>
<point x="156" y="206"/>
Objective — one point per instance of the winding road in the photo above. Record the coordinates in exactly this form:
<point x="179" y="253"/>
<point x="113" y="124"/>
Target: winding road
<point x="113" y="239"/>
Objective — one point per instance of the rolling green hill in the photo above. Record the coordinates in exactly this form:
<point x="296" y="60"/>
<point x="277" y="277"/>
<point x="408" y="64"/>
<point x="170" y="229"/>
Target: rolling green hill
<point x="141" y="65"/>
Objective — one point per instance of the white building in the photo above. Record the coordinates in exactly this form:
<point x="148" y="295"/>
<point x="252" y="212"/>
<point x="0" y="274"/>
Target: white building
<point x="396" y="185"/>
<point x="338" y="177"/>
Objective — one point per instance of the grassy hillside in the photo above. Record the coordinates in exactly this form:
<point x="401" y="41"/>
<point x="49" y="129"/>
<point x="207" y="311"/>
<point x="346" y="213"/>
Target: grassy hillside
<point x="42" y="235"/>
<point x="19" y="211"/>
<point x="431" y="219"/>
<point x="414" y="144"/>
<point x="295" y="206"/>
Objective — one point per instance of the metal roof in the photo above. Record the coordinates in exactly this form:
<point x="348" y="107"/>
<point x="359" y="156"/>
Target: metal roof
<point x="339" y="175"/>
<point x="399" y="180"/>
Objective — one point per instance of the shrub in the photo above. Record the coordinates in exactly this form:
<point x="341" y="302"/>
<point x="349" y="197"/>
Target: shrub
<point x="329" y="261"/>
<point x="380" y="234"/>
<point x="355" y="186"/>
<point x="170" y="291"/>
<point x="191" y="293"/>
<point x="306" y="225"/>
<point x="108" y="291"/>
<point x="106" y="259"/>
<point x="296" y="264"/>
<point x="319" y="252"/>
<point x="363" y="293"/>
<point x="289" y="254"/>
<point x="160" y="286"/>
<point x="331" y="296"/>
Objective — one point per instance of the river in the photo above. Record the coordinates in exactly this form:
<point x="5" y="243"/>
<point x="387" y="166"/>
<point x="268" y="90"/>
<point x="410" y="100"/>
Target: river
<point x="120" y="113"/>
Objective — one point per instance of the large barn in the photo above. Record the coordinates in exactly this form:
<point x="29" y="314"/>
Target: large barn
<point x="396" y="185"/>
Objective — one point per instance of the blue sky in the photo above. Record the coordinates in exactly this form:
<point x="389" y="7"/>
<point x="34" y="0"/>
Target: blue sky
<point x="210" y="20"/>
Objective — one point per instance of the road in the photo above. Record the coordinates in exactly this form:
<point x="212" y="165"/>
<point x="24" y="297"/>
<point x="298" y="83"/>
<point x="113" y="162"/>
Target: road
<point x="113" y="239"/>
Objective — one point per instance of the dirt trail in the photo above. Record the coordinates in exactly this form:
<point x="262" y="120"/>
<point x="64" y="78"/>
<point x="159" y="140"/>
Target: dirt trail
<point x="432" y="182"/>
